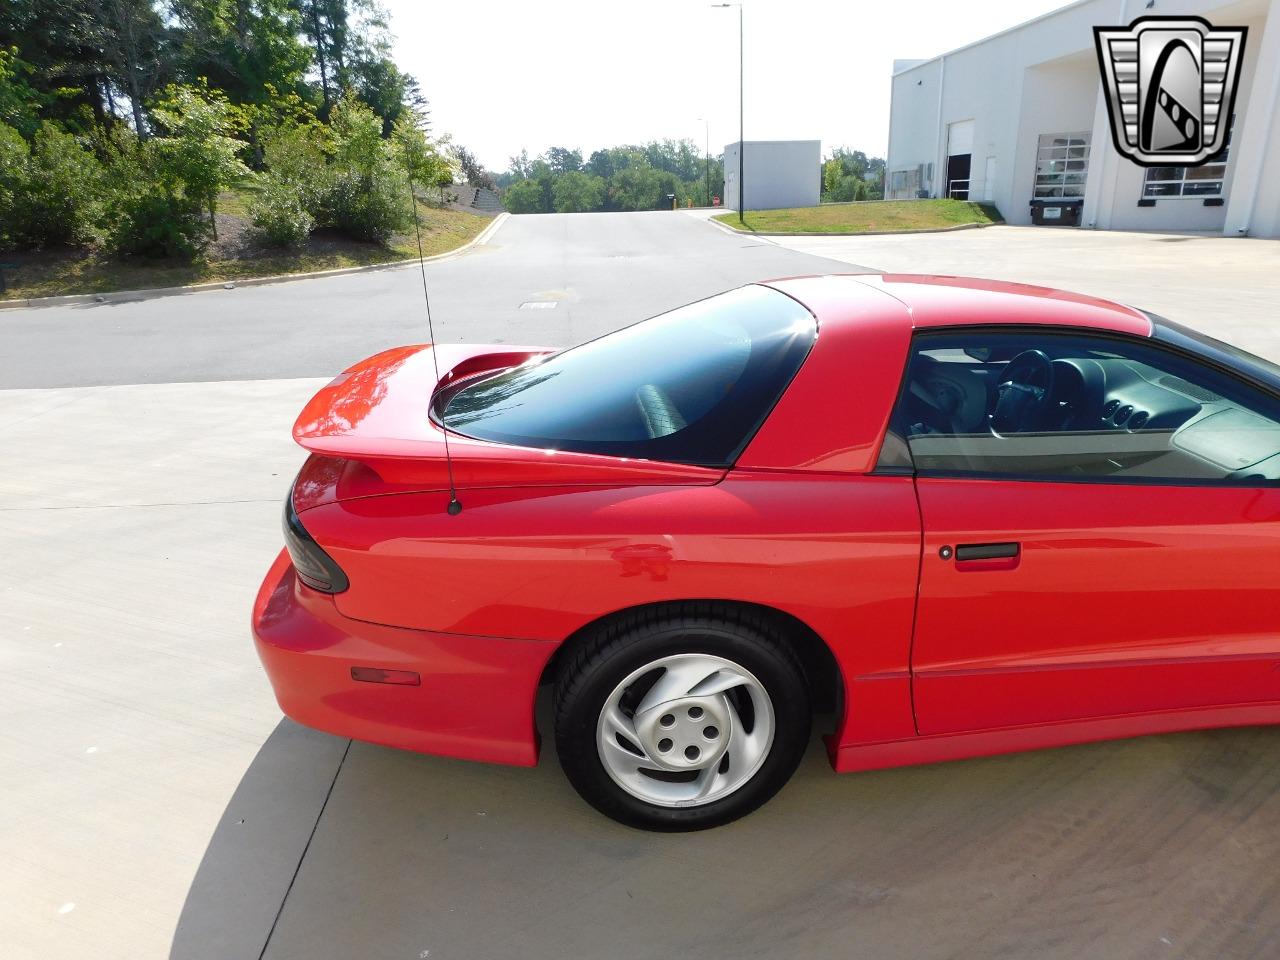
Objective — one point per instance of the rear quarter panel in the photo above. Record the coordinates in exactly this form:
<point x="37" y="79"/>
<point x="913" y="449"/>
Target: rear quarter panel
<point x="838" y="552"/>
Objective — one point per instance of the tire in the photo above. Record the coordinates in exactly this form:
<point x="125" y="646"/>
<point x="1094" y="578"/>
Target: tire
<point x="683" y="718"/>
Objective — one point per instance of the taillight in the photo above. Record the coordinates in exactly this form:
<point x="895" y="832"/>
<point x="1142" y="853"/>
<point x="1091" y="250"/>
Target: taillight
<point x="314" y="567"/>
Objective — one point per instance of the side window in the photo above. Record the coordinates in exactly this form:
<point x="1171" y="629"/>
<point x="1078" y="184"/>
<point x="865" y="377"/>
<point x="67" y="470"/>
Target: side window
<point x="1073" y="406"/>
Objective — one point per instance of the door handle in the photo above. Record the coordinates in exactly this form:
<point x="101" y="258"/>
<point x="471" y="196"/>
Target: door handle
<point x="987" y="551"/>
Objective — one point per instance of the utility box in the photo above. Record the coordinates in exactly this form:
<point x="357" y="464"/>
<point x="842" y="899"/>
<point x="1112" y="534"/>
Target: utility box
<point x="779" y="173"/>
<point x="1063" y="212"/>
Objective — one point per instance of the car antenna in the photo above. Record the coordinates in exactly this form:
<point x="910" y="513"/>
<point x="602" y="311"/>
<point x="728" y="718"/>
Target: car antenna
<point x="455" y="505"/>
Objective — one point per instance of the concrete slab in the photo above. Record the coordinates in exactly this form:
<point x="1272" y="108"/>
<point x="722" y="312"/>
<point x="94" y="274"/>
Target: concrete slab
<point x="1229" y="288"/>
<point x="1139" y="849"/>
<point x="130" y="699"/>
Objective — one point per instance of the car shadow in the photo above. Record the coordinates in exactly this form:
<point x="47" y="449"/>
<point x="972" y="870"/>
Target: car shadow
<point x="1111" y="847"/>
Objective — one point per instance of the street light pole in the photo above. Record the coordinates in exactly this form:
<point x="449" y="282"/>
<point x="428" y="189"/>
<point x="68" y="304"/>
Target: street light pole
<point x="742" y="139"/>
<point x="707" y="167"/>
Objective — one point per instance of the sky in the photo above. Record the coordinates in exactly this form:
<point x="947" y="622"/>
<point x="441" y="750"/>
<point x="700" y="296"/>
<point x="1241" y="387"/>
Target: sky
<point x="529" y="75"/>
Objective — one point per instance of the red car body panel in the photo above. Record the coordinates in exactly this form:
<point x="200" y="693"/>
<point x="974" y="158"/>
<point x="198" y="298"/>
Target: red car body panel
<point x="1125" y="599"/>
<point x="308" y="649"/>
<point x="1131" y="609"/>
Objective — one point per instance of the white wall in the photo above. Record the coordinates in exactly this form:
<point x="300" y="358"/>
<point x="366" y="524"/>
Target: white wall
<point x="1042" y="77"/>
<point x="780" y="173"/>
<point x="1057" y="97"/>
<point x="913" y="132"/>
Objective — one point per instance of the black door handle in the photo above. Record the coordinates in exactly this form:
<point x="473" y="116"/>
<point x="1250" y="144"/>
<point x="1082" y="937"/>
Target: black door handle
<point x="987" y="551"/>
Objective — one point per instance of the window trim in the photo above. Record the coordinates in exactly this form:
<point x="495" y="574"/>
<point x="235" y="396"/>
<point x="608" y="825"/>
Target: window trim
<point x="1151" y="341"/>
<point x="1221" y="158"/>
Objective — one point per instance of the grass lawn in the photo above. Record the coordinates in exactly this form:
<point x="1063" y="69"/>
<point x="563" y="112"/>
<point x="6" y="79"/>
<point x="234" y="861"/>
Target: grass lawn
<point x="882" y="216"/>
<point x="49" y="273"/>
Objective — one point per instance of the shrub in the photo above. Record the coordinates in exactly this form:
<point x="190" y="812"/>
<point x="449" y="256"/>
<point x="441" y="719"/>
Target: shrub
<point x="199" y="152"/>
<point x="367" y="206"/>
<point x="295" y="155"/>
<point x="48" y="191"/>
<point x="147" y="213"/>
<point x="156" y="225"/>
<point x="279" y="214"/>
<point x="366" y="191"/>
<point x="574" y="192"/>
<point x="524" y="196"/>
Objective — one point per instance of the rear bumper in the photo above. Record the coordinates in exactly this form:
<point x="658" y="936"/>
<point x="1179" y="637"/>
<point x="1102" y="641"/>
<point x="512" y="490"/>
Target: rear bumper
<point x="476" y="699"/>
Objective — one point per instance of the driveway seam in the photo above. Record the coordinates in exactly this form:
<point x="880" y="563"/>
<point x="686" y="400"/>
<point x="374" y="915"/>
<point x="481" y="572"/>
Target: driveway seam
<point x="128" y="506"/>
<point x="303" y="856"/>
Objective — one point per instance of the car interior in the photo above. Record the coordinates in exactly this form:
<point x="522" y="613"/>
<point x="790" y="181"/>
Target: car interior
<point x="1079" y="407"/>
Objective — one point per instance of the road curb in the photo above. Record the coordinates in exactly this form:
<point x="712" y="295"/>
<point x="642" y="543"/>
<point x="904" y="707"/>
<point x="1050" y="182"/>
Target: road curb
<point x="861" y="233"/>
<point x="133" y="296"/>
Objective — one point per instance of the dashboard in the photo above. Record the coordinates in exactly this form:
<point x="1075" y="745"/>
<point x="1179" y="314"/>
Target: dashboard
<point x="1144" y="421"/>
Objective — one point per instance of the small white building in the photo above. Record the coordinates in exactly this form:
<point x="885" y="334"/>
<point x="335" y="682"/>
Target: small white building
<point x="780" y="173"/>
<point x="1022" y="116"/>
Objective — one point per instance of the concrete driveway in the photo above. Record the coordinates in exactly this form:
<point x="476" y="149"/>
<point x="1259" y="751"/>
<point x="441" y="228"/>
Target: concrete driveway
<point x="1230" y="288"/>
<point x="157" y="805"/>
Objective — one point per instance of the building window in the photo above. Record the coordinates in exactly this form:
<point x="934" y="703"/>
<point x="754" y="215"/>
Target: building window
<point x="908" y="182"/>
<point x="1200" y="182"/>
<point x="1062" y="163"/>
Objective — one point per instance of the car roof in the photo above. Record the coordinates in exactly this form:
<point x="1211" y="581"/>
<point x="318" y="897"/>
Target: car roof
<point x="934" y="301"/>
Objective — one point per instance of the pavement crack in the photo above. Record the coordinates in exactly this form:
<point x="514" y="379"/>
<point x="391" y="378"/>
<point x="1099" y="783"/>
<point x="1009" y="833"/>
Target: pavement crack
<point x="306" y="847"/>
<point x="130" y="506"/>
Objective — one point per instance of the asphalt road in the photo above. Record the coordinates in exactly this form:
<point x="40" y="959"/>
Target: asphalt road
<point x="601" y="272"/>
<point x="156" y="805"/>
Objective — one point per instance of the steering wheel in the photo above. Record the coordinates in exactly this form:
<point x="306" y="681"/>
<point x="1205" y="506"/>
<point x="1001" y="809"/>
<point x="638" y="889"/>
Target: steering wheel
<point x="1024" y="394"/>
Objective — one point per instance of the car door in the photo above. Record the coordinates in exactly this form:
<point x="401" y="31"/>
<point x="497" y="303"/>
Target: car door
<point x="1101" y="530"/>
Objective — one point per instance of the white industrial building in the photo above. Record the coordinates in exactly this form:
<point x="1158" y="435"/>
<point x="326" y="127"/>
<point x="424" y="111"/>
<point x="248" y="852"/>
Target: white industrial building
<point x="1022" y="116"/>
<point x="780" y="173"/>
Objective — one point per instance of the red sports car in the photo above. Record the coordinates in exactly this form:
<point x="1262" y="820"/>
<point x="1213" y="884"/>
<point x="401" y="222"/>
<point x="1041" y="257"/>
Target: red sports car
<point x="959" y="517"/>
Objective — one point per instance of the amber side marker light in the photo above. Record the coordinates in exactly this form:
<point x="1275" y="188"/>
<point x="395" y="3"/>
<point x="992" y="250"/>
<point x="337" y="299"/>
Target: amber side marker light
<point x="403" y="678"/>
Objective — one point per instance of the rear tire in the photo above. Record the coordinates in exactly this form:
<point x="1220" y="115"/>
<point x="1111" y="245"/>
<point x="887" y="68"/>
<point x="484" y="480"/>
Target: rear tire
<point x="682" y="721"/>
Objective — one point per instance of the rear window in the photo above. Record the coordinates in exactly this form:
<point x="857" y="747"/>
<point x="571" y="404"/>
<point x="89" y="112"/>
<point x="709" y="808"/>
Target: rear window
<point x="689" y="386"/>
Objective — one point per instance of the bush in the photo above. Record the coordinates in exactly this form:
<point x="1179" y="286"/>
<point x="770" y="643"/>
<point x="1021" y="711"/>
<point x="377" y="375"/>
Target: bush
<point x="198" y="152"/>
<point x="279" y="214"/>
<point x="156" y="225"/>
<point x="574" y="192"/>
<point x="524" y="196"/>
<point x="367" y="206"/>
<point x="294" y="155"/>
<point x="366" y="191"/>
<point x="48" y="191"/>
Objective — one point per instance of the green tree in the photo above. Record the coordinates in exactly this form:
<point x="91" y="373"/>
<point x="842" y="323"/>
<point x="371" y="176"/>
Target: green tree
<point x="574" y="192"/>
<point x="366" y="193"/>
<point x="524" y="196"/>
<point x="48" y="191"/>
<point x="20" y="102"/>
<point x="562" y="160"/>
<point x="424" y="161"/>
<point x="251" y="51"/>
<point x="851" y="175"/>
<point x="137" y="51"/>
<point x="66" y="47"/>
<point x="473" y="170"/>
<point x="148" y="213"/>
<point x="198" y="146"/>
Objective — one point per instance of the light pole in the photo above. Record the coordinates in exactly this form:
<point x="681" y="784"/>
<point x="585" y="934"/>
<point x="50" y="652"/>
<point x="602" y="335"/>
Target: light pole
<point x="742" y="141"/>
<point x="707" y="167"/>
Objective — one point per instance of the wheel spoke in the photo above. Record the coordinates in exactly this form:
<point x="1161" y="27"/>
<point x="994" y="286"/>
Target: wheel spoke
<point x="747" y="749"/>
<point x="718" y="682"/>
<point x="622" y="761"/>
<point x="614" y="724"/>
<point x="678" y="680"/>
